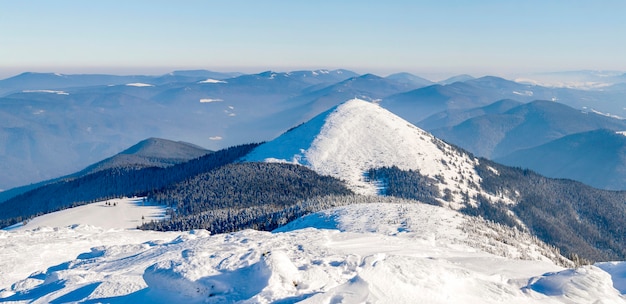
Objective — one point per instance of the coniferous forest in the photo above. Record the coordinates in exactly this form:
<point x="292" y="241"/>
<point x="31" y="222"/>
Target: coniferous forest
<point x="262" y="196"/>
<point x="111" y="183"/>
<point x="574" y="217"/>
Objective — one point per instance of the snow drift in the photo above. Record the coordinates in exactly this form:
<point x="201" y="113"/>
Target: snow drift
<point x="376" y="253"/>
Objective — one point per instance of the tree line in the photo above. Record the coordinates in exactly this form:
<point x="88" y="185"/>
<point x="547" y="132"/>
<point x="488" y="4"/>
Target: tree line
<point x="579" y="220"/>
<point x="110" y="183"/>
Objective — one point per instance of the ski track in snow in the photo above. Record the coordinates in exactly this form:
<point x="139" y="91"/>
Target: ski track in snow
<point x="378" y="253"/>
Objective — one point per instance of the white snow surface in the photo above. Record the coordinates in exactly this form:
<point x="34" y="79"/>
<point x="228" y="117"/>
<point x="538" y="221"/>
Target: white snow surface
<point x="212" y="81"/>
<point x="139" y="84"/>
<point x="372" y="253"/>
<point x="524" y="93"/>
<point x="357" y="135"/>
<point x="208" y="100"/>
<point x="607" y="114"/>
<point x="111" y="214"/>
<point x="580" y="85"/>
<point x="46" y="91"/>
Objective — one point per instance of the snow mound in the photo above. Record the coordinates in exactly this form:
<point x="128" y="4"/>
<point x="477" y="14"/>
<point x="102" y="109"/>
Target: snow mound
<point x="578" y="285"/>
<point x="617" y="270"/>
<point x="273" y="277"/>
<point x="393" y="279"/>
<point x="357" y="135"/>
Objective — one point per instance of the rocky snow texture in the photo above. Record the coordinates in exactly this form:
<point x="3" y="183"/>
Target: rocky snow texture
<point x="393" y="251"/>
<point x="357" y="135"/>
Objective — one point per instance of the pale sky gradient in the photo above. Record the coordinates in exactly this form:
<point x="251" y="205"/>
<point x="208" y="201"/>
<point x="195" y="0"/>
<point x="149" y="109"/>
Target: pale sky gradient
<point x="422" y="37"/>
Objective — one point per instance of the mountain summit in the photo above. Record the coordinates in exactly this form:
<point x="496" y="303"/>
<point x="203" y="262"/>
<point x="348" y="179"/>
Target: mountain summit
<point x="151" y="152"/>
<point x="355" y="136"/>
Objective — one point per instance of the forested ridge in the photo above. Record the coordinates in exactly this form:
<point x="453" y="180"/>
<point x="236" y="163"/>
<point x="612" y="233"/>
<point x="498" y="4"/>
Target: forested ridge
<point x="244" y="195"/>
<point x="577" y="219"/>
<point x="570" y="215"/>
<point x="110" y="183"/>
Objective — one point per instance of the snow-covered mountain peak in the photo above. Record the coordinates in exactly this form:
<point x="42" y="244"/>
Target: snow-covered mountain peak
<point x="357" y="135"/>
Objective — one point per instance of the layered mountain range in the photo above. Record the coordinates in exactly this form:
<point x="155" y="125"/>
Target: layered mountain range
<point x="55" y="124"/>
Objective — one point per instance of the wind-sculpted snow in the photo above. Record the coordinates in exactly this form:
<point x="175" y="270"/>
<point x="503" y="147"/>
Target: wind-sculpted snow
<point x="377" y="253"/>
<point x="578" y="285"/>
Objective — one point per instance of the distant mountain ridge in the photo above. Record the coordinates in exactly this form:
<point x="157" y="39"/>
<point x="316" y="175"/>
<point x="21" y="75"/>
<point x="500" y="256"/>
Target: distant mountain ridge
<point x="525" y="126"/>
<point x="449" y="118"/>
<point x="315" y="100"/>
<point x="596" y="158"/>
<point x="52" y="130"/>
<point x="55" y="131"/>
<point x="51" y="81"/>
<point x="533" y="135"/>
<point x="457" y="78"/>
<point x="152" y="152"/>
<point x="583" y="79"/>
<point x="416" y="105"/>
<point x="410" y="79"/>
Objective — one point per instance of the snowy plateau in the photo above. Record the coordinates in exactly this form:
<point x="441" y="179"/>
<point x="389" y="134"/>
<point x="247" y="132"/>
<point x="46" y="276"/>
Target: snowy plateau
<point x="387" y="250"/>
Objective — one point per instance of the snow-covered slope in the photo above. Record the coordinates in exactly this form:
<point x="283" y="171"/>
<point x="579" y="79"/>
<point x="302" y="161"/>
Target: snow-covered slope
<point x="375" y="253"/>
<point x="125" y="213"/>
<point x="357" y="135"/>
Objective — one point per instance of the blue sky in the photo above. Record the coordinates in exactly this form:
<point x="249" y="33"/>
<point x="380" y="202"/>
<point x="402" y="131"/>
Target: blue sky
<point x="423" y="37"/>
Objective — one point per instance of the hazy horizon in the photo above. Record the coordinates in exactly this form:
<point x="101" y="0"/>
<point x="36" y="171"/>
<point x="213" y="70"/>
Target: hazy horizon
<point x="157" y="71"/>
<point x="424" y="38"/>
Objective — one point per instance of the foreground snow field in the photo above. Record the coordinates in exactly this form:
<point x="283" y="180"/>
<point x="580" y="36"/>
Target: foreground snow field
<point x="385" y="253"/>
